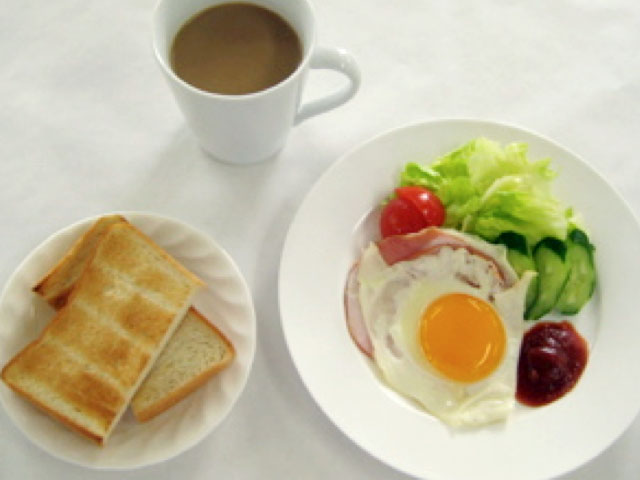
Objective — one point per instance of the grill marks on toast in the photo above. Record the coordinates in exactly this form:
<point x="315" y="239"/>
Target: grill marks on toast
<point x="130" y="323"/>
<point x="150" y="268"/>
<point x="91" y="358"/>
<point x="143" y="313"/>
<point x="59" y="381"/>
<point x="121" y="281"/>
<point x="119" y="356"/>
<point x="91" y="368"/>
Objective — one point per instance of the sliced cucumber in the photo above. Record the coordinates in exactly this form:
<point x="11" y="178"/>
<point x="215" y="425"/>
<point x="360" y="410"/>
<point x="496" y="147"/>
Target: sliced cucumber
<point x="514" y="241"/>
<point x="522" y="263"/>
<point x="582" y="275"/>
<point x="519" y="257"/>
<point x="553" y="272"/>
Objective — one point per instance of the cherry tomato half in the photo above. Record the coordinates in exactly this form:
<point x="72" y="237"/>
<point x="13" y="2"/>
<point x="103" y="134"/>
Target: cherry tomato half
<point x="413" y="209"/>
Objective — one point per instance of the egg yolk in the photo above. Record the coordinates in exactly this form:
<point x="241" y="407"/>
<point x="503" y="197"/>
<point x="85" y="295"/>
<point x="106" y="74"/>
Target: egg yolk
<point x="462" y="336"/>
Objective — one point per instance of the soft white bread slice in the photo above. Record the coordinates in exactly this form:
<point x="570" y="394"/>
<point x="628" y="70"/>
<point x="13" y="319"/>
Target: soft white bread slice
<point x="56" y="285"/>
<point x="197" y="350"/>
<point x="89" y="361"/>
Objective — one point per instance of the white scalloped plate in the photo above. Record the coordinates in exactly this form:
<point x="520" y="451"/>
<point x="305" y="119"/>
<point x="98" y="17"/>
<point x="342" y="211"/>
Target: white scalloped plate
<point x="325" y="238"/>
<point x="226" y="302"/>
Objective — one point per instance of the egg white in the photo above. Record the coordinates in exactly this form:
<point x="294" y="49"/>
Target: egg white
<point x="392" y="300"/>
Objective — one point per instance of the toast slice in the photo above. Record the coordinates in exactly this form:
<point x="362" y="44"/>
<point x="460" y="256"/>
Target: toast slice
<point x="89" y="361"/>
<point x="56" y="286"/>
<point x="197" y="349"/>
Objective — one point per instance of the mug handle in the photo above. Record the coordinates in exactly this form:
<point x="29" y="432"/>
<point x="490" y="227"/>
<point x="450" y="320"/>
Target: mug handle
<point x="329" y="58"/>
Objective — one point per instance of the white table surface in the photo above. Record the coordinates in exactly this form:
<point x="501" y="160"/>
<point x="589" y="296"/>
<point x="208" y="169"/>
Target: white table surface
<point x="87" y="125"/>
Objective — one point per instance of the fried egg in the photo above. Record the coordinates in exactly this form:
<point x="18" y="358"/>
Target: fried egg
<point x="446" y="328"/>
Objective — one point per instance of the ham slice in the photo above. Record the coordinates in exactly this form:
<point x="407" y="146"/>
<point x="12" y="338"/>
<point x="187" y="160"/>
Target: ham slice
<point x="355" y="320"/>
<point x="395" y="249"/>
<point x="428" y="241"/>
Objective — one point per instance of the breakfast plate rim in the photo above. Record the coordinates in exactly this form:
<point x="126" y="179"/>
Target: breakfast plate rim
<point x="324" y="397"/>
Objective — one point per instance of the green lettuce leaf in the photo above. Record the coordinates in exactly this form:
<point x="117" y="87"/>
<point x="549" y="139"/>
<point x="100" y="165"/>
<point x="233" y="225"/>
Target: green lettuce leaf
<point x="488" y="189"/>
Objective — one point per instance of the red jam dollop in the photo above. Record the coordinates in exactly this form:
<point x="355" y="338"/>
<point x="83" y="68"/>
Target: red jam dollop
<point x="552" y="358"/>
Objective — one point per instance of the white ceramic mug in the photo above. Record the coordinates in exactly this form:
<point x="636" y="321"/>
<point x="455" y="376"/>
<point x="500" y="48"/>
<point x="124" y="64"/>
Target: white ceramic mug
<point x="249" y="128"/>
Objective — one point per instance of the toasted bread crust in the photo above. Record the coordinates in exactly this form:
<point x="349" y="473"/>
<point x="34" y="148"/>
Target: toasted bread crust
<point x="57" y="284"/>
<point x="173" y="397"/>
<point x="146" y="414"/>
<point x="82" y="387"/>
<point x="156" y="248"/>
<point x="98" y="439"/>
<point x="154" y="409"/>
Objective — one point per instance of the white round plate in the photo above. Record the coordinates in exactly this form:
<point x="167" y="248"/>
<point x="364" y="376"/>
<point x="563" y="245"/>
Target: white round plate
<point x="226" y="302"/>
<point x="325" y="238"/>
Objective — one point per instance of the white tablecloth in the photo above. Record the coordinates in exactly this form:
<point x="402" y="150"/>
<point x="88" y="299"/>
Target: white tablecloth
<point x="87" y="125"/>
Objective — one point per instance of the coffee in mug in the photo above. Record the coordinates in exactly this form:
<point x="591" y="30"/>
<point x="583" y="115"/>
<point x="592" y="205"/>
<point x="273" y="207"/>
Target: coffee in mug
<point x="235" y="49"/>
